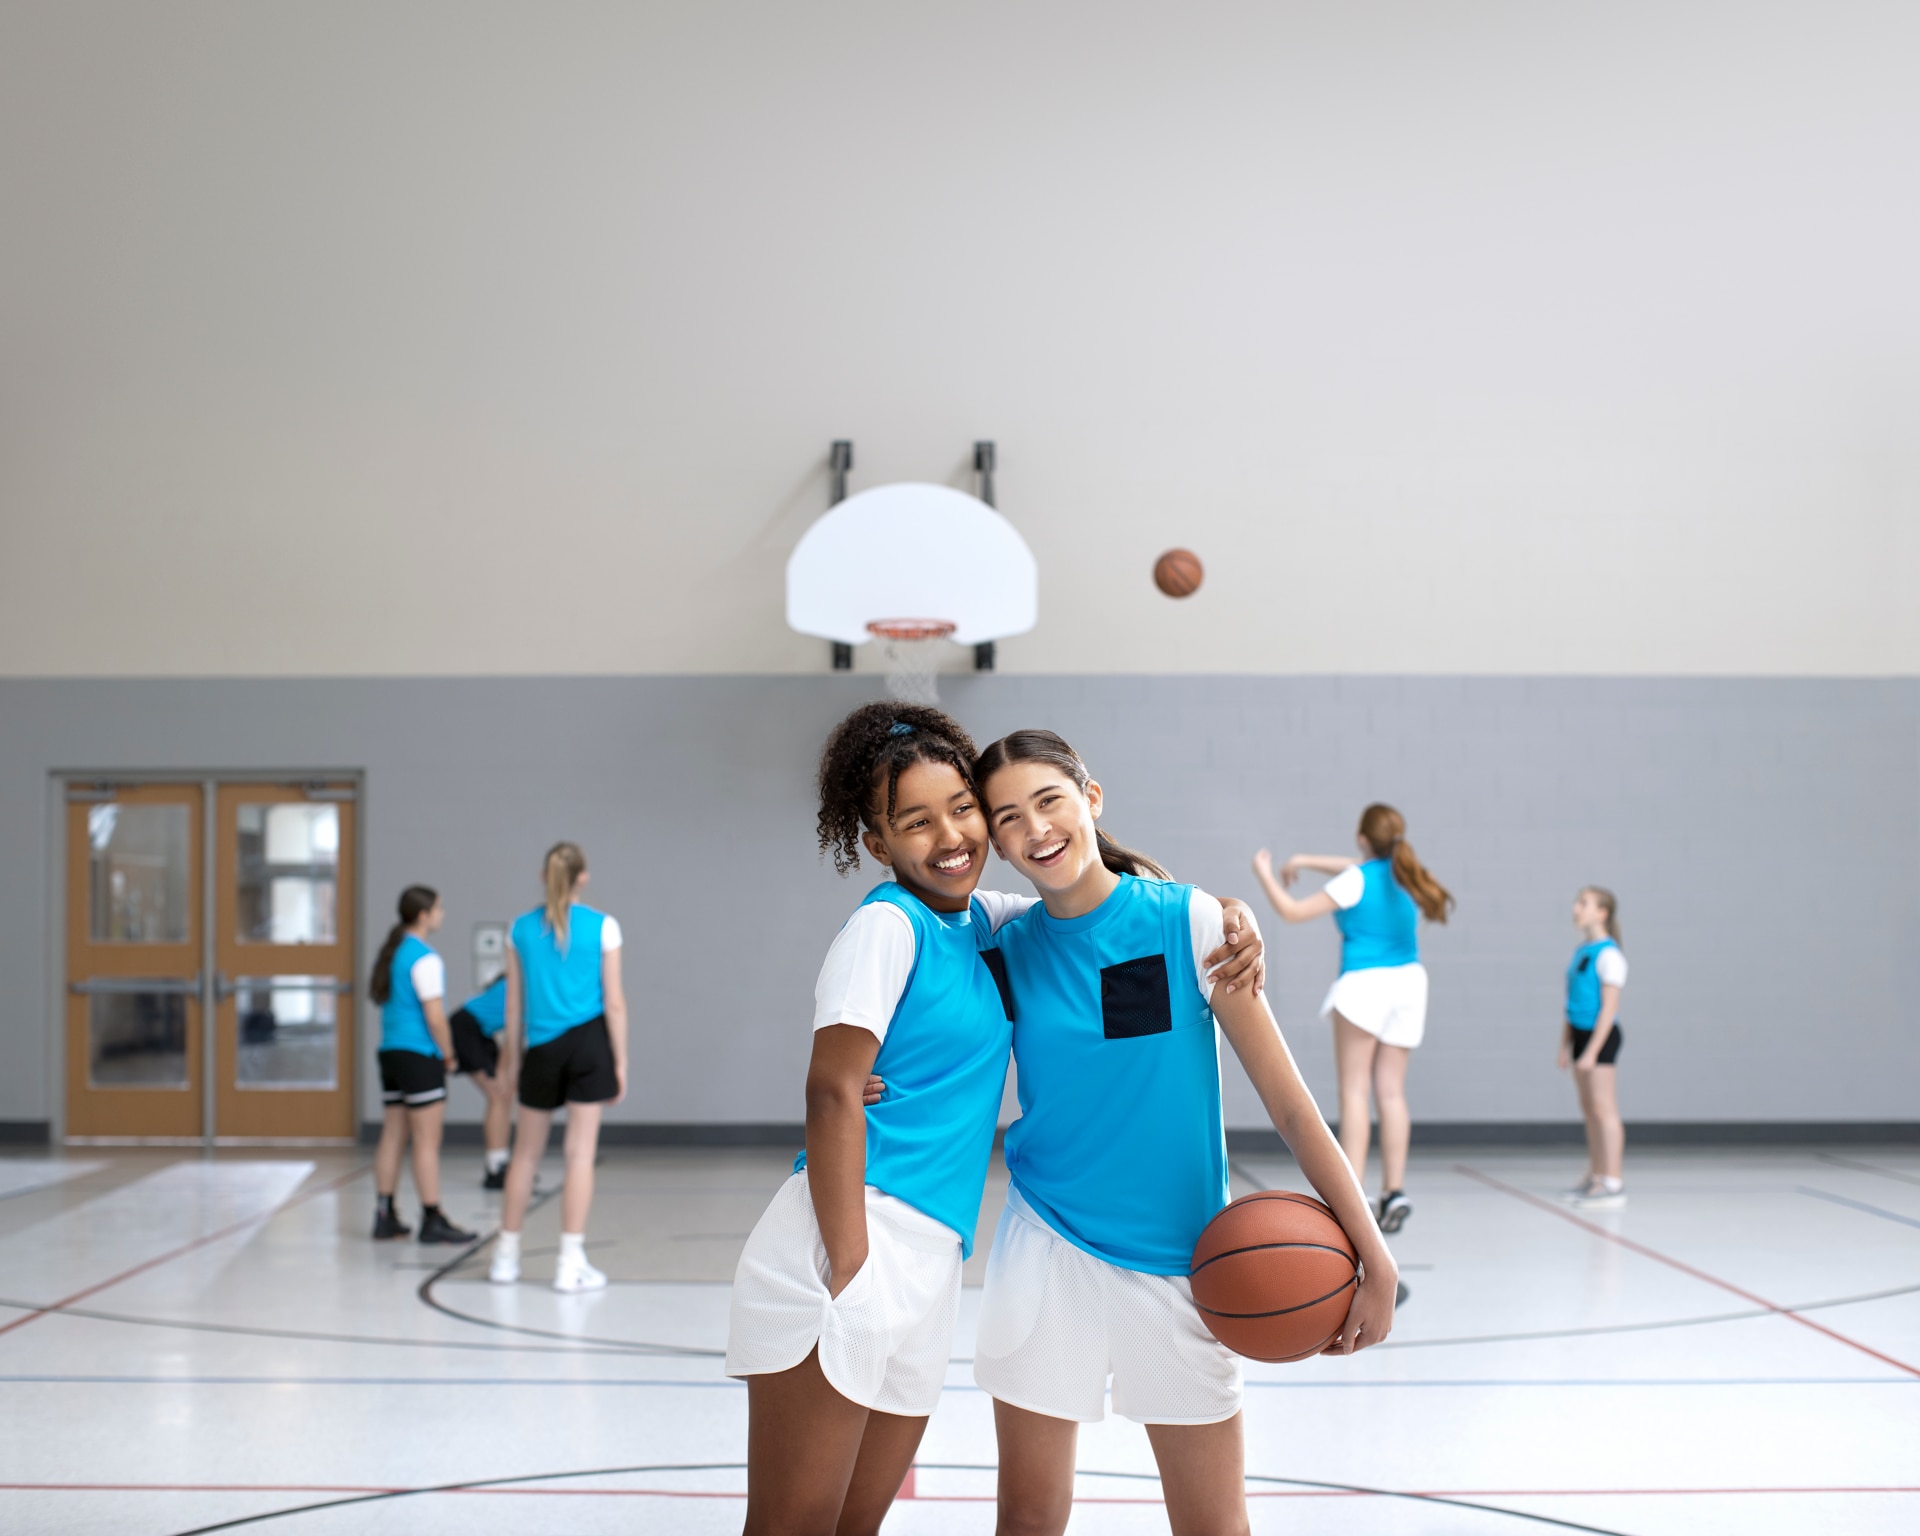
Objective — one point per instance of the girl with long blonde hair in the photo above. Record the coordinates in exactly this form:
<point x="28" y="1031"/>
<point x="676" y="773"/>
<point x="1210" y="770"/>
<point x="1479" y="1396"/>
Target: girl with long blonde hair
<point x="1590" y="1043"/>
<point x="566" y="1038"/>
<point x="1379" y="1001"/>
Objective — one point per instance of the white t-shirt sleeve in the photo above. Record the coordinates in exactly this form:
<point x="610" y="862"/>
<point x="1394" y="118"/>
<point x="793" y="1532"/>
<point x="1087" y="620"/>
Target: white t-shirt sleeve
<point x="1347" y="887"/>
<point x="866" y="970"/>
<point x="429" y="978"/>
<point x="610" y="938"/>
<point x="1003" y="907"/>
<point x="1611" y="968"/>
<point x="1208" y="926"/>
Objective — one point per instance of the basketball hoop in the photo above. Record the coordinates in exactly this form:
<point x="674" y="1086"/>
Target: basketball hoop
<point x="914" y="648"/>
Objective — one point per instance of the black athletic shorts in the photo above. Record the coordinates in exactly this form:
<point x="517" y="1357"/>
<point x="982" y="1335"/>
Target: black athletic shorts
<point x="407" y="1077"/>
<point x="574" y="1068"/>
<point x="1582" y="1038"/>
<point x="474" y="1050"/>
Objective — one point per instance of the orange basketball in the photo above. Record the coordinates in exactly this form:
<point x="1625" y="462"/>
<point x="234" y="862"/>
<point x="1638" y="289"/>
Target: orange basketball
<point x="1178" y="573"/>
<point x="1273" y="1275"/>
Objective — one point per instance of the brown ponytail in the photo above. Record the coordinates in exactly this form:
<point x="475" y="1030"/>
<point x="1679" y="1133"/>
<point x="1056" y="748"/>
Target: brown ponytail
<point x="1610" y="905"/>
<point x="564" y="867"/>
<point x="1384" y="830"/>
<point x="415" y="902"/>
<point x="1045" y="747"/>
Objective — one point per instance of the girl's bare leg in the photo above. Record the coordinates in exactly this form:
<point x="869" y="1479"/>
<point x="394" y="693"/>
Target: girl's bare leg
<point x="803" y="1443"/>
<point x="527" y="1152"/>
<point x="1596" y="1150"/>
<point x="1603" y="1120"/>
<point x="1353" y="1052"/>
<point x="886" y="1452"/>
<point x="1396" y="1124"/>
<point x="1203" y="1476"/>
<point x="393" y="1145"/>
<point x="427" y="1124"/>
<point x="582" y="1143"/>
<point x="1036" y="1471"/>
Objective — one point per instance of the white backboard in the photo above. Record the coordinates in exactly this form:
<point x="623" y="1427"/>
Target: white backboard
<point x="912" y="551"/>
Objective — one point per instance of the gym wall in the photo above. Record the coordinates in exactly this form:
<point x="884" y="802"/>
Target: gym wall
<point x="1767" y="891"/>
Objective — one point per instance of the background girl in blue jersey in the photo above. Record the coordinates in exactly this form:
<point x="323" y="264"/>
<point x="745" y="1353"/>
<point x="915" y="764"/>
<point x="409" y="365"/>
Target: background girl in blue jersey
<point x="1591" y="1042"/>
<point x="477" y="1025"/>
<point x="844" y="1301"/>
<point x="1379" y="1000"/>
<point x="408" y="981"/>
<point x="566" y="1039"/>
<point x="1118" y="1160"/>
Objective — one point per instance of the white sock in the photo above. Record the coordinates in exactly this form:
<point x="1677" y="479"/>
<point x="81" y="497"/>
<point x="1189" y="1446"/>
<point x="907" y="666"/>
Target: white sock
<point x="573" y="1247"/>
<point x="507" y="1243"/>
<point x="1613" y="1186"/>
<point x="497" y="1158"/>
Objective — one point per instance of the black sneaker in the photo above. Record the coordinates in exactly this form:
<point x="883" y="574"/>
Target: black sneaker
<point x="435" y="1228"/>
<point x="386" y="1224"/>
<point x="495" y="1178"/>
<point x="1395" y="1208"/>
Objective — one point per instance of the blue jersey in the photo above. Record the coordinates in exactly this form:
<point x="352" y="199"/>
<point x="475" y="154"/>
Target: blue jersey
<point x="944" y="1059"/>
<point x="1583" y="983"/>
<point x="488" y="1008"/>
<point x="1120" y="1146"/>
<point x="559" y="989"/>
<point x="1383" y="927"/>
<point x="403" y="1022"/>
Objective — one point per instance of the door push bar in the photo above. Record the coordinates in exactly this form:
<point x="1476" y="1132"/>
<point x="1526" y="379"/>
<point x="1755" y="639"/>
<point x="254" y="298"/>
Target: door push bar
<point x="123" y="986"/>
<point x="224" y="987"/>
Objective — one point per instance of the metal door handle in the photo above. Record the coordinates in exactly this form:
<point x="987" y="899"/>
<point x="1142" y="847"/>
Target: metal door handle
<point x="224" y="987"/>
<point x="124" y="986"/>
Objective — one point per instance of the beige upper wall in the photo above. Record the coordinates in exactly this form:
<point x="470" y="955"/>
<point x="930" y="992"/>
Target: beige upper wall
<point x="477" y="338"/>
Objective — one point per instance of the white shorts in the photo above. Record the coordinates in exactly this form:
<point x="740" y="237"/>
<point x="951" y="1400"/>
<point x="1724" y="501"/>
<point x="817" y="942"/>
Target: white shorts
<point x="885" y="1340"/>
<point x="1388" y="1002"/>
<point x="1056" y="1322"/>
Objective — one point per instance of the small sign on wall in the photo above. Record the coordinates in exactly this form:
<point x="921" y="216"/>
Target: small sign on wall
<point x="489" y="954"/>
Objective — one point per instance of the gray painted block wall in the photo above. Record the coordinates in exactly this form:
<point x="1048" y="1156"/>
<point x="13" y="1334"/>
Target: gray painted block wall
<point x="1762" y="836"/>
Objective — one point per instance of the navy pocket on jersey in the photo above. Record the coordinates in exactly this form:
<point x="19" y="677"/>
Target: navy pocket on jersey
<point x="996" y="964"/>
<point x="1134" y="1000"/>
<point x="1585" y="961"/>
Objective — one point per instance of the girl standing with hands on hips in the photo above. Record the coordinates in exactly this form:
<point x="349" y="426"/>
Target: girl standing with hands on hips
<point x="1379" y="1000"/>
<point x="1591" y="1043"/>
<point x="408" y="982"/>
<point x="567" y="1043"/>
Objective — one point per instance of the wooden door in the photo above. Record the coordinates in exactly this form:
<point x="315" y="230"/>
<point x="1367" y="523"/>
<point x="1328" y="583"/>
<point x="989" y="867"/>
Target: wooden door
<point x="283" y="960"/>
<point x="134" y="943"/>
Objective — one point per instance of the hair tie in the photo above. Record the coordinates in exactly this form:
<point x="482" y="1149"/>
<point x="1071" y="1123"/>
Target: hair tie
<point x="900" y="728"/>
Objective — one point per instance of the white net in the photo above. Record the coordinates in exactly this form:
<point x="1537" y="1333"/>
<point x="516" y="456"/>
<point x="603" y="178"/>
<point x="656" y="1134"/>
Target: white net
<point x="913" y="669"/>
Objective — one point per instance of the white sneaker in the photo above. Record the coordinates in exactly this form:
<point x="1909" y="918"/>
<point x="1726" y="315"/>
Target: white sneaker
<point x="1599" y="1198"/>
<point x="577" y="1275"/>
<point x="506" y="1264"/>
<point x="1579" y="1191"/>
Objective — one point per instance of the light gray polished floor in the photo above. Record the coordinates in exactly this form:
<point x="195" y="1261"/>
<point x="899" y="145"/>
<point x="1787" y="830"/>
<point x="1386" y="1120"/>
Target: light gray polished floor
<point x="186" y="1342"/>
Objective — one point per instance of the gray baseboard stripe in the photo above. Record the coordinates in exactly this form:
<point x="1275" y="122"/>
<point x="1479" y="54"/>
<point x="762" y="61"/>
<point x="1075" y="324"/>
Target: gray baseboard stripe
<point x="1643" y="1133"/>
<point x="1442" y="1133"/>
<point x="25" y="1133"/>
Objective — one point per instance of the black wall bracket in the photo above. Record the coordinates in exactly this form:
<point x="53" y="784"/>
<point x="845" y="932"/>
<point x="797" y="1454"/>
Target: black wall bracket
<point x="983" y="467"/>
<point x="839" y="463"/>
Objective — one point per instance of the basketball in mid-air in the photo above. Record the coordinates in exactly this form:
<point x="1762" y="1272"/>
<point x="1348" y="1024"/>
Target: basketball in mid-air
<point x="1178" y="573"/>
<point x="1273" y="1275"/>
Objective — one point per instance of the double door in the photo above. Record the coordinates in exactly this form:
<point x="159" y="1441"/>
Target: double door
<point x="210" y="965"/>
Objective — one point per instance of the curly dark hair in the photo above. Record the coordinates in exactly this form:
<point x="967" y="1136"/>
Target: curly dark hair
<point x="878" y="742"/>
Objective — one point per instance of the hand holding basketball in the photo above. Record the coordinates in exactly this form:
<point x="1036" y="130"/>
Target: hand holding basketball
<point x="1275" y="1278"/>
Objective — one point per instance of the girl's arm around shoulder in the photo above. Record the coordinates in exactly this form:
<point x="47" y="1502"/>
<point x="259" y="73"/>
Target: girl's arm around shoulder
<point x="1250" y="1029"/>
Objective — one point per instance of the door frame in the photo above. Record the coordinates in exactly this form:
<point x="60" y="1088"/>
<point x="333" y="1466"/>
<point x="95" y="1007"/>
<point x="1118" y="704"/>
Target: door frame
<point x="62" y="783"/>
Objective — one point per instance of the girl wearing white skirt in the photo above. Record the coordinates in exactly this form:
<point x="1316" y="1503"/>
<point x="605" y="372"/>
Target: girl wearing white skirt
<point x="1379" y="1000"/>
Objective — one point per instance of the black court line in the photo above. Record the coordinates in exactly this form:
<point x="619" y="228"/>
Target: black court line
<point x="388" y="1495"/>
<point x="1859" y="1167"/>
<point x="1857" y="1205"/>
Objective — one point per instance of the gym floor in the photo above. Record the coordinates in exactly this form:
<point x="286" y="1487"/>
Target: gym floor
<point x="192" y="1344"/>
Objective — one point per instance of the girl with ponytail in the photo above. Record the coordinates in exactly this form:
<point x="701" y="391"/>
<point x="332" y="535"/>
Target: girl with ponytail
<point x="1118" y="1160"/>
<point x="409" y="982"/>
<point x="1379" y="1000"/>
<point x="566" y="1044"/>
<point x="1590" y="1043"/>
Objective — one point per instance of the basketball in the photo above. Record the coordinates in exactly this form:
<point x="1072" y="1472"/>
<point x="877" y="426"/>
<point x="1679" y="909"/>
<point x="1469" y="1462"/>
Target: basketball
<point x="1178" y="573"/>
<point x="1273" y="1275"/>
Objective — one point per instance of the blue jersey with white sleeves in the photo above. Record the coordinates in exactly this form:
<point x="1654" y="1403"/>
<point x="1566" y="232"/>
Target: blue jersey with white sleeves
<point x="488" y="1007"/>
<point x="1583" y="983"/>
<point x="1383" y="927"/>
<point x="403" y="1021"/>
<point x="944" y="1059"/>
<point x="560" y="988"/>
<point x="1120" y="1146"/>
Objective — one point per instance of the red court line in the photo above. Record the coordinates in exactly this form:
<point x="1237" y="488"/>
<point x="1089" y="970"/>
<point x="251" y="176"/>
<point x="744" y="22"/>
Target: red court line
<point x="184" y="1248"/>
<point x="1686" y="1269"/>
<point x="949" y="1498"/>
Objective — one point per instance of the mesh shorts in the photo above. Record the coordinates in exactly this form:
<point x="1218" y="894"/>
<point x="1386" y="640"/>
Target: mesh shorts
<point x="407" y="1077"/>
<point x="1056" y="1322"/>
<point x="884" y="1340"/>
<point x="1389" y="1002"/>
